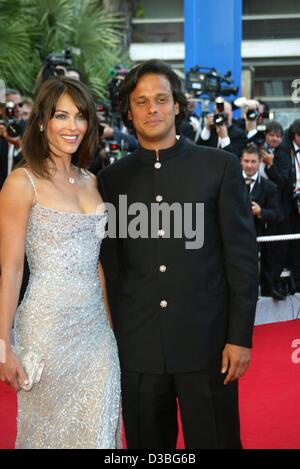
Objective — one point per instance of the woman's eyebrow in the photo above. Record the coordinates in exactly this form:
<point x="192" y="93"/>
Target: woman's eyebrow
<point x="66" y="112"/>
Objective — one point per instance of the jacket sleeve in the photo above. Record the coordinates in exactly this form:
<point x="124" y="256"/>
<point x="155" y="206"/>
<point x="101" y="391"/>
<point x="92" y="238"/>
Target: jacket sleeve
<point x="279" y="171"/>
<point x="240" y="254"/>
<point x="271" y="211"/>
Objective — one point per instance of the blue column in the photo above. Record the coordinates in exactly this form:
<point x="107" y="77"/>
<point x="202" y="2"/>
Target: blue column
<point x="213" y="35"/>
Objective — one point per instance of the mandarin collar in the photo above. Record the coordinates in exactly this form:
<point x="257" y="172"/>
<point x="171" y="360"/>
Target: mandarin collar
<point x="149" y="156"/>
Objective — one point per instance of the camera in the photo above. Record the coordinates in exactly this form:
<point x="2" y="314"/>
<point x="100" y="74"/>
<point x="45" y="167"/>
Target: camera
<point x="8" y="119"/>
<point x="103" y="116"/>
<point x="118" y="75"/>
<point x="220" y="117"/>
<point x="267" y="148"/>
<point x="252" y="114"/>
<point x="211" y="83"/>
<point x="55" y="62"/>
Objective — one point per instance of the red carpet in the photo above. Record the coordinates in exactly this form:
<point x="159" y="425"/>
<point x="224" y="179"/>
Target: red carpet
<point x="269" y="393"/>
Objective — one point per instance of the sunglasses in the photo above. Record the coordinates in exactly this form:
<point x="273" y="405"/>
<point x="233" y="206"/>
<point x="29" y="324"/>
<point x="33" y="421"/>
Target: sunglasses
<point x="20" y="104"/>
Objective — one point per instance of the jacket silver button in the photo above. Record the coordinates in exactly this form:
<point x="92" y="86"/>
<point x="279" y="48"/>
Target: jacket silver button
<point x="159" y="198"/>
<point x="161" y="233"/>
<point x="163" y="304"/>
<point x="162" y="268"/>
<point x="157" y="165"/>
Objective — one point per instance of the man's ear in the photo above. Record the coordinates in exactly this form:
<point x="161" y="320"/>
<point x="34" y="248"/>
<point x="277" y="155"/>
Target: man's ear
<point x="177" y="109"/>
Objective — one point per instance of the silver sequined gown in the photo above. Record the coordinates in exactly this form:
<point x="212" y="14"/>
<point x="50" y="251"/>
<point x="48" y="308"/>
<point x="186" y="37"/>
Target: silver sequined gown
<point x="62" y="319"/>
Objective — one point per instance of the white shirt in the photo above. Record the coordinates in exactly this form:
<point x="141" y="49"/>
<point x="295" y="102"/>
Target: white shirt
<point x="297" y="166"/>
<point x="254" y="177"/>
<point x="12" y="152"/>
<point x="222" y="142"/>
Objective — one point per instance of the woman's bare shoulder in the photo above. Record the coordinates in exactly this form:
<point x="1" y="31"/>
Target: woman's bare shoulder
<point x="18" y="184"/>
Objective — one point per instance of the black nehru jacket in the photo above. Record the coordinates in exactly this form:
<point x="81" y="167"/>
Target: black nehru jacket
<point x="209" y="294"/>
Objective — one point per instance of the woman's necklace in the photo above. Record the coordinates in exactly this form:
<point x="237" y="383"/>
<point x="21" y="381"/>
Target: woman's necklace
<point x="71" y="179"/>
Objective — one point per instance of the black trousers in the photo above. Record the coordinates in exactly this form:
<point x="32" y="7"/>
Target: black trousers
<point x="208" y="408"/>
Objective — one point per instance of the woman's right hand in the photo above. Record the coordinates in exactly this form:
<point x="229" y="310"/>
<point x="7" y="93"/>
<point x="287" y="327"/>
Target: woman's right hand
<point x="12" y="372"/>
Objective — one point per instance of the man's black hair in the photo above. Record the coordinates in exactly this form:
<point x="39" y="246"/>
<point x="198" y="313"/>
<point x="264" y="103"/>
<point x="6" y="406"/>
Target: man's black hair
<point x="274" y="126"/>
<point x="294" y="129"/>
<point x="159" y="68"/>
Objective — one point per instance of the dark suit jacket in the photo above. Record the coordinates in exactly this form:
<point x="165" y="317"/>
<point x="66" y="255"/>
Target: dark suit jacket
<point x="265" y="194"/>
<point x="211" y="292"/>
<point x="4" y="160"/>
<point x="237" y="137"/>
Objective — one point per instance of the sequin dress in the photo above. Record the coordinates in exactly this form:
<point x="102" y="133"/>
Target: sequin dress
<point x="63" y="320"/>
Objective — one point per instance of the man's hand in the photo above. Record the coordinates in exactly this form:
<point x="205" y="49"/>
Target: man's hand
<point x="256" y="209"/>
<point x="222" y="130"/>
<point x="267" y="158"/>
<point x="2" y="130"/>
<point x="16" y="141"/>
<point x="209" y="121"/>
<point x="235" y="360"/>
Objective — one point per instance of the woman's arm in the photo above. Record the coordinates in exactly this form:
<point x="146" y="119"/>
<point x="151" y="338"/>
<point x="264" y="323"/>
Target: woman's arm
<point x="16" y="199"/>
<point x="104" y="294"/>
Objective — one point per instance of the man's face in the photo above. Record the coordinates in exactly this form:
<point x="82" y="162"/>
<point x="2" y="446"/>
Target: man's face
<point x="26" y="111"/>
<point x="250" y="163"/>
<point x="273" y="139"/>
<point x="153" y="111"/>
<point x="16" y="98"/>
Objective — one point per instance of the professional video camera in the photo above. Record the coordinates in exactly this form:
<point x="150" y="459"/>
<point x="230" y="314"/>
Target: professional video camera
<point x="8" y="119"/>
<point x="211" y="83"/>
<point x="55" y="64"/>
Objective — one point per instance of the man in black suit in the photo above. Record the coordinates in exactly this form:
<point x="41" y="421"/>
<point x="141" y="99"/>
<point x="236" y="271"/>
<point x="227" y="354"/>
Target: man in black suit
<point x="228" y="136"/>
<point x="265" y="206"/>
<point x="291" y="202"/>
<point x="263" y="193"/>
<point x="183" y="311"/>
<point x="10" y="147"/>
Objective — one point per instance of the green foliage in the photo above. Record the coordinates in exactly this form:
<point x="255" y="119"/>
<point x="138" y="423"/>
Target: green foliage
<point x="31" y="29"/>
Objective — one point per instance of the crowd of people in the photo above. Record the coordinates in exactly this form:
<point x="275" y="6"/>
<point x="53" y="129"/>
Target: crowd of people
<point x="146" y="322"/>
<point x="269" y="156"/>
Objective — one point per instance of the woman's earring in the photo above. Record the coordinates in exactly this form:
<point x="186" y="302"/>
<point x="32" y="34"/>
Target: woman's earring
<point x="41" y="128"/>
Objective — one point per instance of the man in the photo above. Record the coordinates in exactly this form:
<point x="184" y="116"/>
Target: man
<point x="265" y="209"/>
<point x="227" y="136"/>
<point x="183" y="317"/>
<point x="10" y="147"/>
<point x="263" y="193"/>
<point x="275" y="166"/>
<point x="291" y="202"/>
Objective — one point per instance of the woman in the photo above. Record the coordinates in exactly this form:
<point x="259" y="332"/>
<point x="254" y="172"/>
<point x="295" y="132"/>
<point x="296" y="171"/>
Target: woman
<point x="50" y="209"/>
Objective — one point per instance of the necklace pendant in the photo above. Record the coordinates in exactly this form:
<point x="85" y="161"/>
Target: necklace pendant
<point x="71" y="180"/>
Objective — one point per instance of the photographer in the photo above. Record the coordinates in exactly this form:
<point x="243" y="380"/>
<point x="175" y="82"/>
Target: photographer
<point x="265" y="206"/>
<point x="220" y="132"/>
<point x="291" y="203"/>
<point x="11" y="130"/>
<point x="275" y="165"/>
